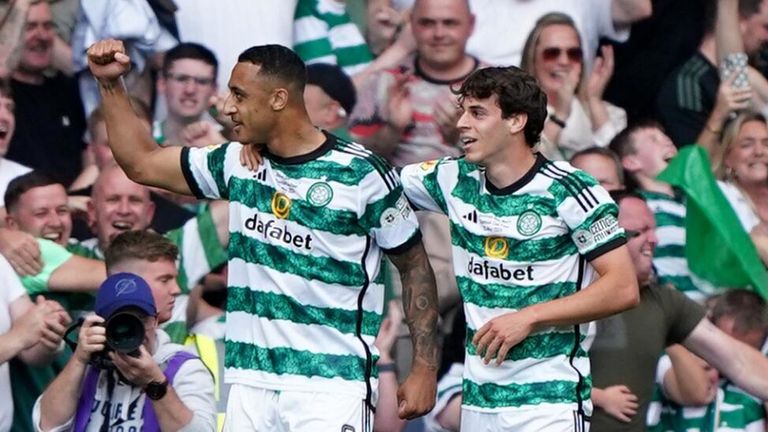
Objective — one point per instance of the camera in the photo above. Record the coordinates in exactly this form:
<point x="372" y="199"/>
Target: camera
<point x="124" y="333"/>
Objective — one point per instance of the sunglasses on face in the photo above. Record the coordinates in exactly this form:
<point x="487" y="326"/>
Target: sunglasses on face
<point x="553" y="53"/>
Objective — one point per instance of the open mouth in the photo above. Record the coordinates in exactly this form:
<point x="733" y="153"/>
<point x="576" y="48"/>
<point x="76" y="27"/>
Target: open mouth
<point x="122" y="225"/>
<point x="466" y="141"/>
<point x="52" y="236"/>
<point x="4" y="131"/>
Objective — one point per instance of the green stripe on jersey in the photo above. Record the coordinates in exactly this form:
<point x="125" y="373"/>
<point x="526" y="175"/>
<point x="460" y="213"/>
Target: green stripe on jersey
<point x="308" y="267"/>
<point x="668" y="219"/>
<point x="491" y="395"/>
<point x="310" y="49"/>
<point x="537" y="346"/>
<point x="467" y="191"/>
<point x="670" y="251"/>
<point x="493" y="295"/>
<point x="526" y="250"/>
<point x="353" y="55"/>
<point x="432" y="187"/>
<point x="328" y="170"/>
<point x="288" y="361"/>
<point x="216" y="167"/>
<point x="281" y="307"/>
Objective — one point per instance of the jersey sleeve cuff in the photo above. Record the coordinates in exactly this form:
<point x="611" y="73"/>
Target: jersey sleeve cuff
<point x="188" y="176"/>
<point x="605" y="248"/>
<point x="397" y="250"/>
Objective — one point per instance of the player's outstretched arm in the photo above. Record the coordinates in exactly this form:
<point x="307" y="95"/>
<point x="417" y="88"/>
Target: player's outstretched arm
<point x="135" y="151"/>
<point x="416" y="395"/>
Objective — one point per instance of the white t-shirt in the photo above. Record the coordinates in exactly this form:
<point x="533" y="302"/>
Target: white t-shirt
<point x="10" y="291"/>
<point x="740" y="205"/>
<point x="9" y="170"/>
<point x="512" y="20"/>
<point x="229" y="27"/>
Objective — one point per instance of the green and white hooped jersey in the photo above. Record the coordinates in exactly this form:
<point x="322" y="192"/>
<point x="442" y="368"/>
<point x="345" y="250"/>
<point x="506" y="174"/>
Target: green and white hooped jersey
<point x="669" y="257"/>
<point x="525" y="244"/>
<point x="305" y="293"/>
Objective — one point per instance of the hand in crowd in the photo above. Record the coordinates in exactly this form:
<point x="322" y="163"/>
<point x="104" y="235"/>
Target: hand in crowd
<point x="92" y="338"/>
<point x="602" y="70"/>
<point x="201" y="134"/>
<point x="566" y="92"/>
<point x="108" y="60"/>
<point x="22" y="252"/>
<point x="499" y="335"/>
<point x="383" y="22"/>
<point x="619" y="402"/>
<point x="730" y="98"/>
<point x="216" y="104"/>
<point x="45" y="322"/>
<point x="447" y="113"/>
<point x="140" y="370"/>
<point x="250" y="157"/>
<point x="399" y="107"/>
<point x="389" y="330"/>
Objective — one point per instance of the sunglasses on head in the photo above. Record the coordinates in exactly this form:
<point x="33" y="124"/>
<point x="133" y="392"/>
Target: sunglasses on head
<point x="553" y="53"/>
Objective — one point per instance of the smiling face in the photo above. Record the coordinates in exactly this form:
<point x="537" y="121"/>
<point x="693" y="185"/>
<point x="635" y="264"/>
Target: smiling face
<point x="43" y="212"/>
<point x="747" y="157"/>
<point x="482" y="131"/>
<point x="638" y="220"/>
<point x="187" y="87"/>
<point x="441" y="29"/>
<point x="557" y="57"/>
<point x="37" y="51"/>
<point x="248" y="104"/>
<point x="652" y="152"/>
<point x="117" y="205"/>
<point x="7" y="122"/>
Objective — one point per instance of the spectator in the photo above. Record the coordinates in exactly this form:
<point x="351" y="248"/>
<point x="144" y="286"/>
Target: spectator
<point x="628" y="345"/>
<point x="578" y="115"/>
<point x="164" y="388"/>
<point x="187" y="83"/>
<point x="594" y="19"/>
<point x="602" y="164"/>
<point x="687" y="97"/>
<point x="8" y="168"/>
<point x="31" y="331"/>
<point x="330" y="97"/>
<point x="645" y="151"/>
<point x="49" y="114"/>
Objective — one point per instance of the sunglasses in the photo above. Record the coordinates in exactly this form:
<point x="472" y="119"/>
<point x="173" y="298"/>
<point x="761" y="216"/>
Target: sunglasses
<point x="553" y="53"/>
<point x="632" y="233"/>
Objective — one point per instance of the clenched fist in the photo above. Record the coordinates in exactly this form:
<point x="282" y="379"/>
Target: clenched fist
<point x="107" y="60"/>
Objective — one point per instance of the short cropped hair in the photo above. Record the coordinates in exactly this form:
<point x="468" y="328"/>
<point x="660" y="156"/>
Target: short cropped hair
<point x="277" y="61"/>
<point x="747" y="309"/>
<point x="602" y="151"/>
<point x="193" y="51"/>
<point x="22" y="184"/>
<point x="139" y="245"/>
<point x="517" y="93"/>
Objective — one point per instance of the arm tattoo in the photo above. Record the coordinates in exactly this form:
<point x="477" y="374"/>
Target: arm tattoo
<point x="420" y="303"/>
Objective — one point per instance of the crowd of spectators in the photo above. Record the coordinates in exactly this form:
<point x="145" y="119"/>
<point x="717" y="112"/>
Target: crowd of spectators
<point x="631" y="86"/>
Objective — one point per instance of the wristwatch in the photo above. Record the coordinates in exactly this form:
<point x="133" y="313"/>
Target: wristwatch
<point x="156" y="390"/>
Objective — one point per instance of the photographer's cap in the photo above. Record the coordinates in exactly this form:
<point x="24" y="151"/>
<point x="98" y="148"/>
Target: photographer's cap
<point x="123" y="290"/>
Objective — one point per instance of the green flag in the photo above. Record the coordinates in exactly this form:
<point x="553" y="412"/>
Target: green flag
<point x="717" y="247"/>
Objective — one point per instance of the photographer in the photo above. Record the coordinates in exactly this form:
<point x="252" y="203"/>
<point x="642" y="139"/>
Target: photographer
<point x="109" y="383"/>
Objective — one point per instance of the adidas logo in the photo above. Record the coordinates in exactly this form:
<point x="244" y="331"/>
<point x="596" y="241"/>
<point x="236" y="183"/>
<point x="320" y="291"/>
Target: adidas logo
<point x="261" y="175"/>
<point x="471" y="216"/>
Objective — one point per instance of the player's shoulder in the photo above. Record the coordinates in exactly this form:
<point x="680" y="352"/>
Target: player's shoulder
<point x="362" y="161"/>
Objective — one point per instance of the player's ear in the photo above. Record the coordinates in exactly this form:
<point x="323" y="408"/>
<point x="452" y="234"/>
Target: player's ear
<point x="516" y="123"/>
<point x="279" y="99"/>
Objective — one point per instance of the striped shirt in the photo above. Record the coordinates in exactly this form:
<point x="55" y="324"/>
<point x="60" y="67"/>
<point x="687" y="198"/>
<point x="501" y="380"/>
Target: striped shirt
<point x="305" y="287"/>
<point x="514" y="247"/>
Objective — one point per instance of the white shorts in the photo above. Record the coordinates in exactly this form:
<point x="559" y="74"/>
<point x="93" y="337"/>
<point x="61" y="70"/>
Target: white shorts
<point x="260" y="410"/>
<point x="533" y="420"/>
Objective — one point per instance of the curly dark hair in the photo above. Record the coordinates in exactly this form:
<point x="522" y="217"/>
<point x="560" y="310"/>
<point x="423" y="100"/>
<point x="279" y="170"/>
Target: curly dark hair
<point x="517" y="93"/>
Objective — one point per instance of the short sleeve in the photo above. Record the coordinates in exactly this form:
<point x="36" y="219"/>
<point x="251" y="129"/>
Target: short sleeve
<point x="587" y="209"/>
<point x="206" y="169"/>
<point x="682" y="313"/>
<point x="386" y="213"/>
<point x="420" y="182"/>
<point x="53" y="256"/>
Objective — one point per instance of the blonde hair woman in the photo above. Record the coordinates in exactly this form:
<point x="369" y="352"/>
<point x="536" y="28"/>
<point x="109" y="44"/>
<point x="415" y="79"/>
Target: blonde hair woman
<point x="578" y="116"/>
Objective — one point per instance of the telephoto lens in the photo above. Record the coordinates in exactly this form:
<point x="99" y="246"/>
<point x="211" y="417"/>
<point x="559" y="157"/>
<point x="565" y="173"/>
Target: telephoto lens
<point x="125" y="331"/>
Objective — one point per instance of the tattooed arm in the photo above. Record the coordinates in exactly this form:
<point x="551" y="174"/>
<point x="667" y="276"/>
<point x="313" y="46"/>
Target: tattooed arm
<point x="416" y="395"/>
<point x="13" y="15"/>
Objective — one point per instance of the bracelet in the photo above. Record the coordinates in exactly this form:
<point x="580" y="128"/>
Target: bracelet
<point x="711" y="129"/>
<point x="387" y="367"/>
<point x="557" y="120"/>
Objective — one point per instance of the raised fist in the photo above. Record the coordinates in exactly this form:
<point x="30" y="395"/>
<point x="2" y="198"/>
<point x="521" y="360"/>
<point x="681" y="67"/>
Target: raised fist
<point x="107" y="60"/>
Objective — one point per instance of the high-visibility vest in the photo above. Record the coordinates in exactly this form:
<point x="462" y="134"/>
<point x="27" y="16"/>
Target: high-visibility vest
<point x="206" y="349"/>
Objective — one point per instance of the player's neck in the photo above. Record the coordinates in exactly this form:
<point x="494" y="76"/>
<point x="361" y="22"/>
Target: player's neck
<point x="294" y="136"/>
<point x="510" y="166"/>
